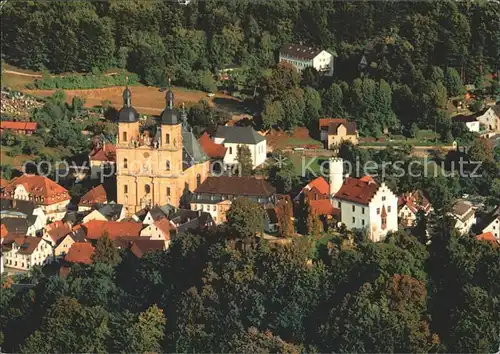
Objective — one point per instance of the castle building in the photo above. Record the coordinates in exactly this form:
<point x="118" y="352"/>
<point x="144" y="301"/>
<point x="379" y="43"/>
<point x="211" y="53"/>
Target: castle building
<point x="155" y="165"/>
<point x="364" y="204"/>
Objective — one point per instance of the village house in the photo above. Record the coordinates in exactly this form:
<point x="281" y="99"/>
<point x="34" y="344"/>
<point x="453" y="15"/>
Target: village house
<point x="25" y="128"/>
<point x="102" y="158"/>
<point x="363" y="203"/>
<point x="158" y="230"/>
<point x="22" y="209"/>
<point x="216" y="194"/>
<point x="108" y="212"/>
<point x="335" y="130"/>
<point x="493" y="226"/>
<point x="465" y="216"/>
<point x="470" y="122"/>
<point x="409" y="205"/>
<point x="302" y="57"/>
<point x="141" y="247"/>
<point x="231" y="137"/>
<point x="95" y="197"/>
<point x="490" y="118"/>
<point x="96" y="229"/>
<point x="279" y="215"/>
<point x="80" y="252"/>
<point x="24" y="252"/>
<point x="51" y="197"/>
<point x="489" y="237"/>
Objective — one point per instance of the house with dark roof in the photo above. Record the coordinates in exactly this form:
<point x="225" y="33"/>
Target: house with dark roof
<point x="363" y="203"/>
<point x="301" y="57"/>
<point x="141" y="247"/>
<point x="232" y="137"/>
<point x="110" y="212"/>
<point x="470" y="121"/>
<point x="335" y="130"/>
<point x="465" y="216"/>
<point x="216" y="194"/>
<point x="24" y="209"/>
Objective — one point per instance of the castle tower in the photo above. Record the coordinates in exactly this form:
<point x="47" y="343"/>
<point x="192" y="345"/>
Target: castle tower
<point x="336" y="171"/>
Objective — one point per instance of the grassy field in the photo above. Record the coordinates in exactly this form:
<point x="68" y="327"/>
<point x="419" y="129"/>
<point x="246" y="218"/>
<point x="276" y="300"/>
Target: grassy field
<point x="16" y="82"/>
<point x="300" y="162"/>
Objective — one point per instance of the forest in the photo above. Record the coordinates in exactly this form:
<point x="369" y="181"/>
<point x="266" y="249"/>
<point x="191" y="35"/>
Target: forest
<point x="225" y="291"/>
<point x="418" y="54"/>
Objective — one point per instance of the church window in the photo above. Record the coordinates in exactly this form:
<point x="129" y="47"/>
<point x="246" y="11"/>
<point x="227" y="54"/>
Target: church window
<point x="168" y="191"/>
<point x="198" y="180"/>
<point x="167" y="165"/>
<point x="167" y="139"/>
<point x="125" y="163"/>
<point x="125" y="188"/>
<point x="124" y="136"/>
<point x="383" y="198"/>
<point x="147" y="188"/>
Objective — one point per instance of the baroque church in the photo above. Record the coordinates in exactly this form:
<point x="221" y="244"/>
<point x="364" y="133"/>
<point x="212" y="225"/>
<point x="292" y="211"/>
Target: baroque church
<point x="155" y="165"/>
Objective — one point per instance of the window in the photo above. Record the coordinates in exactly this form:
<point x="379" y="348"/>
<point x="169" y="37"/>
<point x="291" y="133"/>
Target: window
<point x="384" y="223"/>
<point x="338" y="205"/>
<point x="124" y="136"/>
<point x="214" y="208"/>
<point x="362" y="210"/>
<point x="230" y="150"/>
<point x="353" y="208"/>
<point x="168" y="191"/>
<point x="363" y="222"/>
<point x="125" y="163"/>
<point x="198" y="180"/>
<point x="125" y="189"/>
<point x="167" y="138"/>
<point x="353" y="220"/>
<point x="147" y="188"/>
<point x="383" y="198"/>
<point x="378" y="211"/>
<point x="389" y="209"/>
<point x="167" y="165"/>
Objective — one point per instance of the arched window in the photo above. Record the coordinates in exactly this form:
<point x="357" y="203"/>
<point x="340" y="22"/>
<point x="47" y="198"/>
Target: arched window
<point x="167" y="165"/>
<point x="125" y="163"/>
<point x="124" y="136"/>
<point x="168" y="191"/>
<point x="125" y="188"/>
<point x="167" y="138"/>
<point x="147" y="188"/>
<point x="198" y="180"/>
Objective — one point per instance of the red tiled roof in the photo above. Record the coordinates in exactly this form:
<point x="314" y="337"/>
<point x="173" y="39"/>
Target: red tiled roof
<point x="29" y="126"/>
<point x="94" y="196"/>
<point x="164" y="226"/>
<point x="96" y="228"/>
<point x="140" y="247"/>
<point x="26" y="244"/>
<point x="415" y="201"/>
<point x="320" y="184"/>
<point x="487" y="236"/>
<point x="323" y="207"/>
<point x="59" y="232"/>
<point x="357" y="191"/>
<point x="107" y="152"/>
<point x="80" y="252"/>
<point x="211" y="149"/>
<point x="42" y="190"/>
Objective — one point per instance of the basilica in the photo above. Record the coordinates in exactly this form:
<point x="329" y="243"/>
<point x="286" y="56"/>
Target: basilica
<point x="156" y="164"/>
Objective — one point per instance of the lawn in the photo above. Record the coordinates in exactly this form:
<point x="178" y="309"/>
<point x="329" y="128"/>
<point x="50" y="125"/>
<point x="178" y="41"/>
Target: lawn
<point x="303" y="164"/>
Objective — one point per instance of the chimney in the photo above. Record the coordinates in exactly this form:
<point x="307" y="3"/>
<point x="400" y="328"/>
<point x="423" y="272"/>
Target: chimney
<point x="336" y="174"/>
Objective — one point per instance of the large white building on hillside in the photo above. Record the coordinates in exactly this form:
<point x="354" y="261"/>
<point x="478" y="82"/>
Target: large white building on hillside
<point x="363" y="203"/>
<point x="302" y="57"/>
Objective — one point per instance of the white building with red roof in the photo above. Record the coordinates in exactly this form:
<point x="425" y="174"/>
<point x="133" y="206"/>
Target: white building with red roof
<point x="363" y="203"/>
<point x="50" y="196"/>
<point x="102" y="157"/>
<point x="409" y="204"/>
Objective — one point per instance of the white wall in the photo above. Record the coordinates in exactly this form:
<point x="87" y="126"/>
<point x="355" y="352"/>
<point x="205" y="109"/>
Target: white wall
<point x="258" y="152"/>
<point x="473" y="126"/>
<point x="489" y="119"/>
<point x="323" y="60"/>
<point x="494" y="228"/>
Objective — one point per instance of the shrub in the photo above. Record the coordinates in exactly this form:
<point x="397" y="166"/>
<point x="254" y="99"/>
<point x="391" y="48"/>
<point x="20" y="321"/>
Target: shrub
<point x="87" y="81"/>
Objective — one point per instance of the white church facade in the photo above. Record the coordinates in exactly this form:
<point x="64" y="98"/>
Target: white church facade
<point x="363" y="203"/>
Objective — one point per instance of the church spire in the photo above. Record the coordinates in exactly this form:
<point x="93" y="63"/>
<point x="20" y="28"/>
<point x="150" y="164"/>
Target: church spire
<point x="127" y="96"/>
<point x="170" y="96"/>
